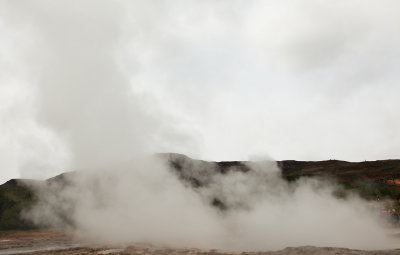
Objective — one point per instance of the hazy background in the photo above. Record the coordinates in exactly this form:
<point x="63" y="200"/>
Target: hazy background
<point x="85" y="84"/>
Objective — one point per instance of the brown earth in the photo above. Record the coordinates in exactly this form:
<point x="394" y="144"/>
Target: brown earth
<point x="62" y="243"/>
<point x="31" y="240"/>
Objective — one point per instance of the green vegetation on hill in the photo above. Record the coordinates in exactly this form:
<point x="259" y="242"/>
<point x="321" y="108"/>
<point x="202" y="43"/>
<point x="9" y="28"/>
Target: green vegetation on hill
<point x="370" y="179"/>
<point x="14" y="198"/>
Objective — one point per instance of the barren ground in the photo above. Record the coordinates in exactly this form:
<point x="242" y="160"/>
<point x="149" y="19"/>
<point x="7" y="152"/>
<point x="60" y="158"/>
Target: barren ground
<point x="53" y="242"/>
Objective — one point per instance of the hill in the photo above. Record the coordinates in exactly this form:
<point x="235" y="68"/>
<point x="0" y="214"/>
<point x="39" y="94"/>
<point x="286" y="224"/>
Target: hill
<point x="371" y="179"/>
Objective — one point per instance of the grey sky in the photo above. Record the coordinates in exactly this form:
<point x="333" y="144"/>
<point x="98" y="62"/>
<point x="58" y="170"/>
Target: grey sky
<point x="89" y="83"/>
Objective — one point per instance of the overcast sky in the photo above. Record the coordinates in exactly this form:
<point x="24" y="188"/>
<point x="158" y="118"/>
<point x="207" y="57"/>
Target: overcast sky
<point x="89" y="83"/>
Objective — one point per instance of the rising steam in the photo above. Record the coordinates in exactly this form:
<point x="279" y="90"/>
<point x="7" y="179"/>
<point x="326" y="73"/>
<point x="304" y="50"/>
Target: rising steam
<point x="85" y="97"/>
<point x="146" y="202"/>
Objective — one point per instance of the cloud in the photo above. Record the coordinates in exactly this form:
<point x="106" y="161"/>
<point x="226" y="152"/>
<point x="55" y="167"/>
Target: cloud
<point x="213" y="80"/>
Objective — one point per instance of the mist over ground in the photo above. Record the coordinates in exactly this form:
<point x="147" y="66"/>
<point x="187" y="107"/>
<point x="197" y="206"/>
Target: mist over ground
<point x="97" y="86"/>
<point x="146" y="202"/>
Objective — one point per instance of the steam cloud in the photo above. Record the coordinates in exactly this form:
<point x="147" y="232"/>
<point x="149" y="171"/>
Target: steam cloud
<point x="145" y="202"/>
<point x="99" y="122"/>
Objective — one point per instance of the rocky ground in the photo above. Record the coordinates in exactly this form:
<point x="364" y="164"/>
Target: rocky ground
<point x="52" y="242"/>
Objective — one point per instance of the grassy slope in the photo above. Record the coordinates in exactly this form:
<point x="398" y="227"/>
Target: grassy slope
<point x="368" y="178"/>
<point x="14" y="197"/>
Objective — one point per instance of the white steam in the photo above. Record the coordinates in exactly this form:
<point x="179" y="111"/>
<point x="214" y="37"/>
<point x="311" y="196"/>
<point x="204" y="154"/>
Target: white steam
<point x="80" y="92"/>
<point x="146" y="202"/>
<point x="87" y="75"/>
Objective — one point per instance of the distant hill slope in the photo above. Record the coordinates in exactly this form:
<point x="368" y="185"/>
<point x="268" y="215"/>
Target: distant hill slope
<point x="15" y="196"/>
<point x="371" y="179"/>
<point x="380" y="170"/>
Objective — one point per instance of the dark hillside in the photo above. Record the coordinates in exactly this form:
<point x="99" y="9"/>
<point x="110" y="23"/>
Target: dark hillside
<point x="15" y="196"/>
<point x="371" y="179"/>
<point x="380" y="170"/>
